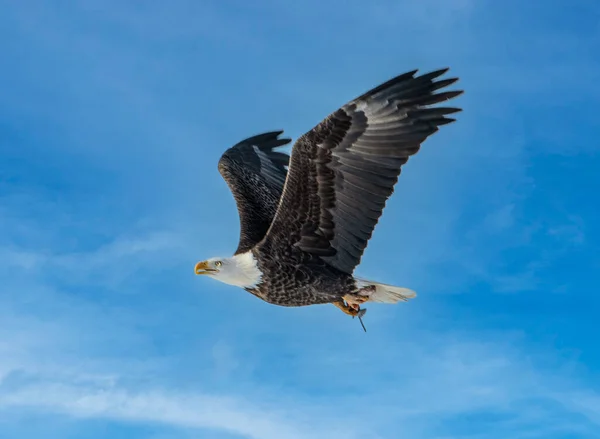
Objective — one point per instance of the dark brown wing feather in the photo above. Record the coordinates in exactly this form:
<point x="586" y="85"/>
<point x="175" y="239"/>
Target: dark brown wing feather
<point x="255" y="175"/>
<point x="344" y="169"/>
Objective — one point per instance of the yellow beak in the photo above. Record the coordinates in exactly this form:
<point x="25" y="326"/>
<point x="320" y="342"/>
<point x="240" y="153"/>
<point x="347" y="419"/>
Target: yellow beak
<point x="203" y="268"/>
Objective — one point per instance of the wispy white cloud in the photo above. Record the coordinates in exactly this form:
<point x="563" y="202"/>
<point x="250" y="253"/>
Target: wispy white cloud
<point x="434" y="383"/>
<point x="572" y="232"/>
<point x="110" y="265"/>
<point x="249" y="419"/>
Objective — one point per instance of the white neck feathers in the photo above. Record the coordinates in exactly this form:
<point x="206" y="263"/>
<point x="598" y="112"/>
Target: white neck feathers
<point x="240" y="270"/>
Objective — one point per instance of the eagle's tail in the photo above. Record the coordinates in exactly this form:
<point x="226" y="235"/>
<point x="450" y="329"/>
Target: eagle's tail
<point x="383" y="293"/>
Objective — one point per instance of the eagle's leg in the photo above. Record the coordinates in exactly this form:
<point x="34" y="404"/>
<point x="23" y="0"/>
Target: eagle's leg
<point x="347" y="309"/>
<point x="356" y="299"/>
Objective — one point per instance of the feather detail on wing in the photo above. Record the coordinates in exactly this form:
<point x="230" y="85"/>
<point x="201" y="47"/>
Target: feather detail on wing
<point x="255" y="174"/>
<point x="343" y="171"/>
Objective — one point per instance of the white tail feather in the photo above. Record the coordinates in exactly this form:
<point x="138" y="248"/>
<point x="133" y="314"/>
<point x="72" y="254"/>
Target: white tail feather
<point x="386" y="293"/>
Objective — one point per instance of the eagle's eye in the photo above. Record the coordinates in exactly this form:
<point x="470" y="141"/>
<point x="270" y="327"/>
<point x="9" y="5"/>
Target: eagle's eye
<point x="218" y="264"/>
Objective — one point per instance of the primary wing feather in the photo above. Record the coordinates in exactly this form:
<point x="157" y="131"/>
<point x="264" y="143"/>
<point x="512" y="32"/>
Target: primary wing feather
<point x="255" y="174"/>
<point x="343" y="171"/>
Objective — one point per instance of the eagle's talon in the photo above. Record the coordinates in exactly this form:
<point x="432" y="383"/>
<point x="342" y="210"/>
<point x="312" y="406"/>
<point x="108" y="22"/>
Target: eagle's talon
<point x="352" y="310"/>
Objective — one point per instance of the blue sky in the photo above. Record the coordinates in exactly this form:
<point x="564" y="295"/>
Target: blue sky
<point x="112" y="118"/>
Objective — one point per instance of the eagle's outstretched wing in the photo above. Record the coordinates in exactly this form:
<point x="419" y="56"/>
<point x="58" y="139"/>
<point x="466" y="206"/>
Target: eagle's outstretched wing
<point x="343" y="171"/>
<point x="255" y="175"/>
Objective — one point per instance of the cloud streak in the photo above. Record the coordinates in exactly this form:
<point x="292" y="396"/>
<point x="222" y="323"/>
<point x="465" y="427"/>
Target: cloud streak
<point x="447" y="379"/>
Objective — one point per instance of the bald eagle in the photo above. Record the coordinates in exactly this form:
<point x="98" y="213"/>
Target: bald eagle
<point x="305" y="220"/>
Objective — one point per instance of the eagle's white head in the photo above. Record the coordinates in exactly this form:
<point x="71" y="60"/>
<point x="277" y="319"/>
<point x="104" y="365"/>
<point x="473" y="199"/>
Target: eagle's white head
<point x="239" y="270"/>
